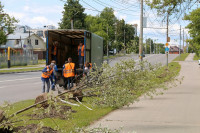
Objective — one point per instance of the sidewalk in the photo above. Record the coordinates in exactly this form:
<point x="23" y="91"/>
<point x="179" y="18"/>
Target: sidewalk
<point x="177" y="111"/>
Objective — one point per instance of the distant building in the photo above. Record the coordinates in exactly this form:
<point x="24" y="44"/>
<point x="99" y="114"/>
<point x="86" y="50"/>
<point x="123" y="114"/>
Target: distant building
<point x="25" y="38"/>
<point x="174" y="50"/>
<point x="25" y="41"/>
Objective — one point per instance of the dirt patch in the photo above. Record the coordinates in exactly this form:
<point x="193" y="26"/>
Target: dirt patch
<point x="41" y="98"/>
<point x="33" y="128"/>
<point x="60" y="111"/>
<point x="78" y="94"/>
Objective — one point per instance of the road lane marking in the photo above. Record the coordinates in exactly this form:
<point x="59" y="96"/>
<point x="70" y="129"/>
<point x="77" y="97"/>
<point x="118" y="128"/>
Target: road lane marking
<point x="38" y="83"/>
<point x="2" y="87"/>
<point x="19" y="79"/>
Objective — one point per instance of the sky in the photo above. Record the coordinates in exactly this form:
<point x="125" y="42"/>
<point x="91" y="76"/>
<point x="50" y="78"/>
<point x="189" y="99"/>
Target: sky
<point x="38" y="13"/>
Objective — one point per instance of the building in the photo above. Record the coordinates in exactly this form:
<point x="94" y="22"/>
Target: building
<point x="21" y="42"/>
<point x="174" y="50"/>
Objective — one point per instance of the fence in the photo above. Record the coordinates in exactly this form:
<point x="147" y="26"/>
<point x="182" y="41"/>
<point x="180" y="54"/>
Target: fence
<point x="19" y="60"/>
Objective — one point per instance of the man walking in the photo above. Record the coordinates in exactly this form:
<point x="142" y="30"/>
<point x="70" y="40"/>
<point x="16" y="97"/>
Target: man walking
<point x="69" y="71"/>
<point x="46" y="73"/>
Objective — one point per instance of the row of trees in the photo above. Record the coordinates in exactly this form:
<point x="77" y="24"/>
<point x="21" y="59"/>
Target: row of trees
<point x="115" y="32"/>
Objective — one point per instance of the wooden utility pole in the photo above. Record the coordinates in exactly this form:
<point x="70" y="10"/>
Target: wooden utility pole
<point x="183" y="40"/>
<point x="107" y="44"/>
<point x="141" y="32"/>
<point x="180" y="43"/>
<point x="124" y="37"/>
<point x="150" y="47"/>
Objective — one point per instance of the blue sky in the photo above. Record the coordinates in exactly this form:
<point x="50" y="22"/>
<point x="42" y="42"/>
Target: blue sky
<point x="37" y="13"/>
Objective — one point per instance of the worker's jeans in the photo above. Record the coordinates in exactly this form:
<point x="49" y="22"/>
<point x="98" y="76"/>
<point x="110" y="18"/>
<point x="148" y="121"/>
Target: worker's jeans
<point x="53" y="82"/>
<point x="80" y="61"/>
<point x="43" y="85"/>
<point x="69" y="81"/>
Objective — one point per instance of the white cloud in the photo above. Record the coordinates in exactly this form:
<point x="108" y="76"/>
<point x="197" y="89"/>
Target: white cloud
<point x="17" y="15"/>
<point x="122" y="17"/>
<point x="115" y="13"/>
<point x="26" y="8"/>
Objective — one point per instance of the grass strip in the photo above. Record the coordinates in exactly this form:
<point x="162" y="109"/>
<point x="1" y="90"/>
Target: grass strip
<point x="182" y="57"/>
<point x="21" y="70"/>
<point x="196" y="57"/>
<point x="83" y="117"/>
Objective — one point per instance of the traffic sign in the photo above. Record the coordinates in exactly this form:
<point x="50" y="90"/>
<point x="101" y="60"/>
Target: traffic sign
<point x="166" y="49"/>
<point x="166" y="44"/>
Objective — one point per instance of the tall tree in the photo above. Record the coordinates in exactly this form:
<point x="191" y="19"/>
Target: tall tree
<point x="173" y="8"/>
<point x="194" y="29"/>
<point x="6" y="25"/>
<point x="73" y="10"/>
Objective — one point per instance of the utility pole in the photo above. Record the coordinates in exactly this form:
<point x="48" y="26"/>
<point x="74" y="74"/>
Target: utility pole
<point x="141" y="32"/>
<point x="150" y="47"/>
<point x="72" y="24"/>
<point x="167" y="54"/>
<point x="146" y="47"/>
<point x="107" y="44"/>
<point x="124" y="37"/>
<point x="183" y="40"/>
<point x="180" y="43"/>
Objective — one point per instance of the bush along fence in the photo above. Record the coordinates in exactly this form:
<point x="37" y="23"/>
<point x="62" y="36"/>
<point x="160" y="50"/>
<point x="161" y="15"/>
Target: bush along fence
<point x="18" y="60"/>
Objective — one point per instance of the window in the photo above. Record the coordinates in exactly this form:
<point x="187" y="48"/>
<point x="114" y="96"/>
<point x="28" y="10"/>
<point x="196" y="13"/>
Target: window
<point x="29" y="41"/>
<point x="17" y="41"/>
<point x="36" y="42"/>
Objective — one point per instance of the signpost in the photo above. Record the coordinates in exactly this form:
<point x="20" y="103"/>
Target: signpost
<point x="167" y="50"/>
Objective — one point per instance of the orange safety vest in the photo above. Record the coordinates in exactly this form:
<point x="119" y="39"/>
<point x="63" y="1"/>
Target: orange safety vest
<point x="48" y="73"/>
<point x="82" y="50"/>
<point x="54" y="50"/>
<point x="69" y="70"/>
<point x="90" y="65"/>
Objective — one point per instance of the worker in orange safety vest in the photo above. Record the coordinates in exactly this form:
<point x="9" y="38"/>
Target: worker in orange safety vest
<point x="46" y="73"/>
<point x="69" y="72"/>
<point x="54" y="50"/>
<point x="81" y="49"/>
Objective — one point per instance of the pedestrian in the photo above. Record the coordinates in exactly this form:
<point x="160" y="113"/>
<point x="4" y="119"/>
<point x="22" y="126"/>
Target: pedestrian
<point x="53" y="75"/>
<point x="54" y="51"/>
<point x="69" y="72"/>
<point x="46" y="73"/>
<point x="81" y="54"/>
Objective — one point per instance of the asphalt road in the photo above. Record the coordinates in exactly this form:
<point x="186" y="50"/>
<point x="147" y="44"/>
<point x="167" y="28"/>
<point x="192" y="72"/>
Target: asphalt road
<point x="22" y="86"/>
<point x="177" y="111"/>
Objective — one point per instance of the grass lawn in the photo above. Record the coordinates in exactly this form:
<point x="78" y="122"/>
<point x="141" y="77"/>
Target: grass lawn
<point x="21" y="70"/>
<point x="182" y="57"/>
<point x="196" y="57"/>
<point x="83" y="117"/>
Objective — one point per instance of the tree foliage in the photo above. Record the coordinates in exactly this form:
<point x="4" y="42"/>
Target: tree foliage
<point x="194" y="29"/>
<point x="174" y="8"/>
<point x="73" y="10"/>
<point x="6" y="25"/>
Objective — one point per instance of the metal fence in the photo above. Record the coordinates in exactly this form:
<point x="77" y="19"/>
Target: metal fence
<point x="19" y="60"/>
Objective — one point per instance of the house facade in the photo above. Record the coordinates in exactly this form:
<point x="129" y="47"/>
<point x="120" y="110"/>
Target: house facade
<point x="174" y="50"/>
<point x="23" y="41"/>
